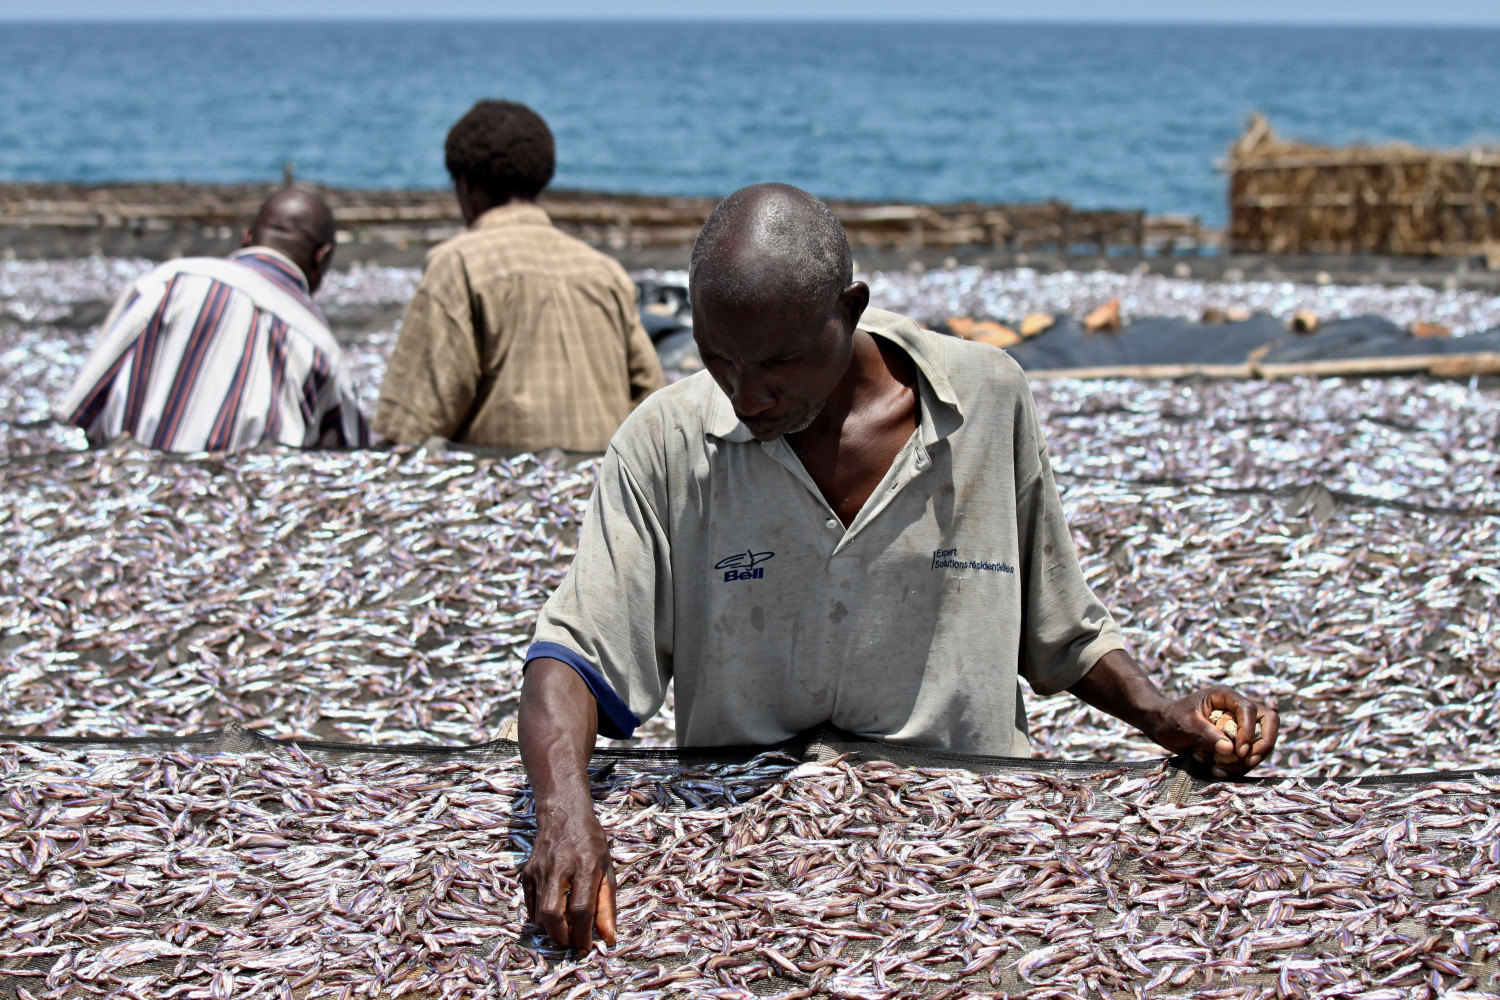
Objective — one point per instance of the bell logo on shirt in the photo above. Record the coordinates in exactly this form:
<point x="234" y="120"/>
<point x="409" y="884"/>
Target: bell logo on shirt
<point x="743" y="565"/>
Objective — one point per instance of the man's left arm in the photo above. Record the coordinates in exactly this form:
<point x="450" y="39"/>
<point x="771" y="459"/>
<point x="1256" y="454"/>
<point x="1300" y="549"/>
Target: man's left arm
<point x="341" y="423"/>
<point x="1071" y="642"/>
<point x="1116" y="684"/>
<point x="336" y="420"/>
<point x="641" y="362"/>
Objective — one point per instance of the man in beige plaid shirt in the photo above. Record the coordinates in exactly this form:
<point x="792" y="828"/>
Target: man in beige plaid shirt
<point x="519" y="336"/>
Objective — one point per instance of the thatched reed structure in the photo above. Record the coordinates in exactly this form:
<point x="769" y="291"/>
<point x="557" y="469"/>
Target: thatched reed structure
<point x="1292" y="197"/>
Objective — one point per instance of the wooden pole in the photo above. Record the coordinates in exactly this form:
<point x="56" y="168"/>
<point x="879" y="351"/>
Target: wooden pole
<point x="1439" y="365"/>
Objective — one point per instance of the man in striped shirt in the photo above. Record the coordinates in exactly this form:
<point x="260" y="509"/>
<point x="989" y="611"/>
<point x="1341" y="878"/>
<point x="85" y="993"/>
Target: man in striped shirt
<point x="205" y="354"/>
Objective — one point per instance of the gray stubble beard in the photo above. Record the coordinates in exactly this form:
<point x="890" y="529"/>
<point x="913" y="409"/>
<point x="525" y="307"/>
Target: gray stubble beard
<point x="806" y="423"/>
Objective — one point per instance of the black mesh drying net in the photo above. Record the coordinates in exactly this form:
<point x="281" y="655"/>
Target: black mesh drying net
<point x="227" y="865"/>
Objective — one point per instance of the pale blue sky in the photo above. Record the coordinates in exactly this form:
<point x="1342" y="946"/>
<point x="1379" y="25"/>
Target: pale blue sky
<point x="1434" y="12"/>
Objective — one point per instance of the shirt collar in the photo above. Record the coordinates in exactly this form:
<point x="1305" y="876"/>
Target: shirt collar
<point x="275" y="265"/>
<point x="937" y="403"/>
<point x="515" y="213"/>
<point x="721" y="421"/>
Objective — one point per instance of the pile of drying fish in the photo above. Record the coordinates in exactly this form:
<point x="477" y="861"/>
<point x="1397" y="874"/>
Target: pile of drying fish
<point x="1431" y="443"/>
<point x="1373" y="630"/>
<point x="1368" y="614"/>
<point x="41" y="292"/>
<point x="1326" y="545"/>
<point x="375" y="596"/>
<point x="44" y="291"/>
<point x="45" y="304"/>
<point x="387" y="596"/>
<point x="205" y="874"/>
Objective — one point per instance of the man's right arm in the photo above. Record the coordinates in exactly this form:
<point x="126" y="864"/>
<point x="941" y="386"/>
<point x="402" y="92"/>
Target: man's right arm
<point x="432" y="377"/>
<point x="600" y="662"/>
<point x="87" y="400"/>
<point x="568" y="881"/>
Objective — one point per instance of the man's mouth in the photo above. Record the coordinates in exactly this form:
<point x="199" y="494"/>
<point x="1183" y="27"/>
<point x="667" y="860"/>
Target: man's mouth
<point x="764" y="428"/>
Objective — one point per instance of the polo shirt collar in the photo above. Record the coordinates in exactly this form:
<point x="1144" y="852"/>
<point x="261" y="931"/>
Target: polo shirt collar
<point x="515" y="213"/>
<point x="721" y="421"/>
<point x="940" y="414"/>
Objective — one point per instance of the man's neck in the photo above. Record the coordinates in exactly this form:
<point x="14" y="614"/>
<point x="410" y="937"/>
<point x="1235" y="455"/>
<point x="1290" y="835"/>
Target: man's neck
<point x="480" y="203"/>
<point x="876" y="370"/>
<point x="864" y="425"/>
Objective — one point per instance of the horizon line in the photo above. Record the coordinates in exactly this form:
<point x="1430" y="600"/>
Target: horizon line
<point x="581" y="19"/>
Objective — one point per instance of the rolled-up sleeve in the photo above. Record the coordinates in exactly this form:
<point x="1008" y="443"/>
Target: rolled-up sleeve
<point x="611" y="619"/>
<point x="1065" y="628"/>
<point x="433" y="375"/>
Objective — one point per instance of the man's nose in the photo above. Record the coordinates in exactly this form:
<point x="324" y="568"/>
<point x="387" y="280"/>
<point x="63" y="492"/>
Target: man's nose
<point x="752" y="396"/>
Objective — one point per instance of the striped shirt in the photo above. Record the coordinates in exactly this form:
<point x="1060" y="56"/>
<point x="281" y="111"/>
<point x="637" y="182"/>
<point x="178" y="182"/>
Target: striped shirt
<point x="205" y="354"/>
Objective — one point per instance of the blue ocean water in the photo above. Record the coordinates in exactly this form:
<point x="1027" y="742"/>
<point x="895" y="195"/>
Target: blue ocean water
<point x="1104" y="116"/>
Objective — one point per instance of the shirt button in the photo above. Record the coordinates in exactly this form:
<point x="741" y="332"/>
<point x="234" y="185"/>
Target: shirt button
<point x="833" y="522"/>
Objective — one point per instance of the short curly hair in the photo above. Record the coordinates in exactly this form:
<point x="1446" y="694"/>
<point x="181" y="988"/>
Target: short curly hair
<point x="503" y="148"/>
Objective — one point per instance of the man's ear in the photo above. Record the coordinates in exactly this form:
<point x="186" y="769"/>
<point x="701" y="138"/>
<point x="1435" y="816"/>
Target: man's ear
<point x="247" y="238"/>
<point x="853" y="301"/>
<point x="465" y="196"/>
<point x="323" y="255"/>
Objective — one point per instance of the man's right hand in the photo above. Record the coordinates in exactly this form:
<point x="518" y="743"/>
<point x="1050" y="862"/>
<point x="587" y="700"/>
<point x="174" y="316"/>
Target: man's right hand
<point x="569" y="881"/>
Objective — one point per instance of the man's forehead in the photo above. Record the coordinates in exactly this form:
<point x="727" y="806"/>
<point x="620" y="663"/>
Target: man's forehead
<point x="756" y="331"/>
<point x="746" y="282"/>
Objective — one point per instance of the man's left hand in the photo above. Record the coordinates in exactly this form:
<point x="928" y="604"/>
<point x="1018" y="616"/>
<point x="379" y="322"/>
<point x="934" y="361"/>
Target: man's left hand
<point x="1182" y="726"/>
<point x="1117" y="685"/>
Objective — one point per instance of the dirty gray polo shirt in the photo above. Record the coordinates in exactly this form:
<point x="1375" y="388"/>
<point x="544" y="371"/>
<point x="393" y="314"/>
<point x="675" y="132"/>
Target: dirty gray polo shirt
<point x="712" y="558"/>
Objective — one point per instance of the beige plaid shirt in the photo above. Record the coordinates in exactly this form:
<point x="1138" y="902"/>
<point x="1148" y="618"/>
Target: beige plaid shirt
<point x="519" y="336"/>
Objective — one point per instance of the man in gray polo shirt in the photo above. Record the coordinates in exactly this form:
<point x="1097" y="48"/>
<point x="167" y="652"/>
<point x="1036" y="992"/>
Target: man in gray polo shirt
<point x="845" y="519"/>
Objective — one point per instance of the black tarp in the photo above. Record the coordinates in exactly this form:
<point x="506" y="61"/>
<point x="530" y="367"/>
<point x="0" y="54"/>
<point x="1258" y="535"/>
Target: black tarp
<point x="1150" y="342"/>
<point x="1173" y="341"/>
<point x="1162" y="340"/>
<point x="1373" y="337"/>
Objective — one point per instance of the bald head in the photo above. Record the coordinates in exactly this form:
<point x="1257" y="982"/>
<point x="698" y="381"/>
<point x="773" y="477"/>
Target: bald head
<point x="299" y="224"/>
<point x="771" y="243"/>
<point x="775" y="306"/>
